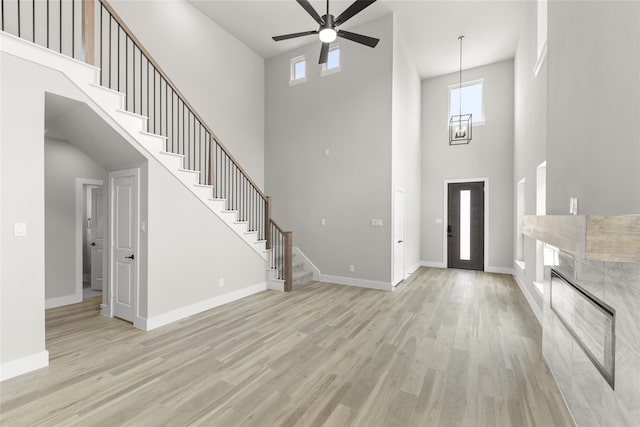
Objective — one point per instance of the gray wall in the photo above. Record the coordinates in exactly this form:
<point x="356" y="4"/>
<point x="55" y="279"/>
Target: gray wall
<point x="222" y="78"/>
<point x="406" y="148"/>
<point x="490" y="154"/>
<point x="530" y="145"/>
<point x="63" y="163"/>
<point x="349" y="113"/>
<point x="593" y="150"/>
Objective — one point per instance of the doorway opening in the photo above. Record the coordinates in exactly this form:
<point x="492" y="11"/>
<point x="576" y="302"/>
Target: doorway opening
<point x="91" y="224"/>
<point x="465" y="245"/>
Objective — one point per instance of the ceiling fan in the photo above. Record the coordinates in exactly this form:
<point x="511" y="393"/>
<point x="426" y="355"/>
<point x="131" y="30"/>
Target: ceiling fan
<point x="328" y="30"/>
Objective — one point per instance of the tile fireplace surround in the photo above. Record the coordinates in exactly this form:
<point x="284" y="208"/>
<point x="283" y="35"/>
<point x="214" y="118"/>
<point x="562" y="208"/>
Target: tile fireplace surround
<point x="591" y="400"/>
<point x="601" y="255"/>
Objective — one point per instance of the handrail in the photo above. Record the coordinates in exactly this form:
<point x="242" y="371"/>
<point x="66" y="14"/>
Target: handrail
<point x="119" y="55"/>
<point x="164" y="75"/>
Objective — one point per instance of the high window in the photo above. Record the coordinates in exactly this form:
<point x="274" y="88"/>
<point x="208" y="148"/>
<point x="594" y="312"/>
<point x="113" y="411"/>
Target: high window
<point x="472" y="100"/>
<point x="333" y="61"/>
<point x="298" y="70"/>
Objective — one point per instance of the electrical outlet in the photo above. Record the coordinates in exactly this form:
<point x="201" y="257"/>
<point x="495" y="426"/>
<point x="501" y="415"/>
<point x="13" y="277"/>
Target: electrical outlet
<point x="221" y="282"/>
<point x="322" y="221"/>
<point x="352" y="268"/>
<point x="20" y="229"/>
<point x="326" y="152"/>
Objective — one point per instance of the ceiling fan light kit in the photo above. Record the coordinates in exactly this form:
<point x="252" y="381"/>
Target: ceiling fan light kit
<point x="328" y="31"/>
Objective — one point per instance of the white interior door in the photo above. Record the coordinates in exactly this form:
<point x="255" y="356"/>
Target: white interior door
<point x="97" y="238"/>
<point x="124" y="230"/>
<point x="398" y="236"/>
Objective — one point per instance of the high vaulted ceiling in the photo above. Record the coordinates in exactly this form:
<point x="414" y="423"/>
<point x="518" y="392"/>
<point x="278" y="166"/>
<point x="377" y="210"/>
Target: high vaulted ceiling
<point x="430" y="28"/>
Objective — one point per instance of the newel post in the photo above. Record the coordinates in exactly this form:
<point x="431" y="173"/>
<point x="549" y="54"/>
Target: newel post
<point x="288" y="258"/>
<point x="88" y="25"/>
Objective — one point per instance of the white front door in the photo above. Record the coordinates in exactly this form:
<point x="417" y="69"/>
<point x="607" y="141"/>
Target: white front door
<point x="96" y="231"/>
<point x="124" y="231"/>
<point x="398" y="236"/>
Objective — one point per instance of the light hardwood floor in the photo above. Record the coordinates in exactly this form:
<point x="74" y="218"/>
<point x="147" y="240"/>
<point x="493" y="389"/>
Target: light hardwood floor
<point x="447" y="348"/>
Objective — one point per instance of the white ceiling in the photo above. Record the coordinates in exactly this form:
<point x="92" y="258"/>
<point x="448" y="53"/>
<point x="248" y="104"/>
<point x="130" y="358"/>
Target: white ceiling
<point x="430" y="28"/>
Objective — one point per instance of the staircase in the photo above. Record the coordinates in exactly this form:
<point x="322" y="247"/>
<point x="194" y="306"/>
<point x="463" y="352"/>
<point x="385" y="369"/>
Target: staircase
<point x="131" y="89"/>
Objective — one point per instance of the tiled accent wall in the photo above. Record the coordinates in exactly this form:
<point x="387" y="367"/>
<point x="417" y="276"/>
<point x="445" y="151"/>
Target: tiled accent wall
<point x="590" y="398"/>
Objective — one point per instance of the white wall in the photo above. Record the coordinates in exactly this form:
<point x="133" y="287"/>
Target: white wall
<point x="530" y="145"/>
<point x="405" y="146"/>
<point x="189" y="249"/>
<point x="185" y="249"/>
<point x="22" y="199"/>
<point x="63" y="163"/>
<point x="222" y="78"/>
<point x="349" y="113"/>
<point x="490" y="154"/>
<point x="593" y="150"/>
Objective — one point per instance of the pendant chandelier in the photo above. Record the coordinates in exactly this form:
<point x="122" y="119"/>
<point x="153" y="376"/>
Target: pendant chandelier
<point x="460" y="125"/>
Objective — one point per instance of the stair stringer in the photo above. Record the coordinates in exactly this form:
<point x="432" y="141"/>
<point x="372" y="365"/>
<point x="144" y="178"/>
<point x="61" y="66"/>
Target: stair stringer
<point x="109" y="105"/>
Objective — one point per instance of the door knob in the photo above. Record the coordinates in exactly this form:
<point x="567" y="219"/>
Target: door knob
<point x="130" y="257"/>
<point x="92" y="244"/>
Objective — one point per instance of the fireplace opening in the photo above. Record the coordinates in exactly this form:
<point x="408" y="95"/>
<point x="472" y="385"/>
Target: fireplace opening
<point x="589" y="320"/>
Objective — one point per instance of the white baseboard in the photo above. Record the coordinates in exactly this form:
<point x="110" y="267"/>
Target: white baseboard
<point x="308" y="264"/>
<point x="25" y="364"/>
<point x="432" y="264"/>
<point x="351" y="281"/>
<point x="61" y="301"/>
<point x="180" y="313"/>
<point x="412" y="269"/>
<point x="529" y="298"/>
<point x="500" y="270"/>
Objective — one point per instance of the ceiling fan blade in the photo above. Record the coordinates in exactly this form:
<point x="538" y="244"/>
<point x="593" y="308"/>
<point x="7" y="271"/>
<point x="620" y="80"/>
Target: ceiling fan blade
<point x="358" y="38"/>
<point x="294" y="35"/>
<point x="355" y="8"/>
<point x="311" y="11"/>
<point x="324" y="53"/>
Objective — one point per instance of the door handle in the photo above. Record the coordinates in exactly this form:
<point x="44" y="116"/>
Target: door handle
<point x="400" y="241"/>
<point x="130" y="257"/>
<point x="92" y="244"/>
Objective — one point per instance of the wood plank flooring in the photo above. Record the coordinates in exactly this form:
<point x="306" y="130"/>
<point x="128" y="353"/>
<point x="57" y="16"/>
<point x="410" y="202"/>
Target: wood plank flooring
<point x="447" y="348"/>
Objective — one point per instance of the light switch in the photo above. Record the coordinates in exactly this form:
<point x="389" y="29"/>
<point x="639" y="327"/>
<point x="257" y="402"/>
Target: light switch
<point x="326" y="152"/>
<point x="143" y="226"/>
<point x="438" y="220"/>
<point x="376" y="223"/>
<point x="20" y="229"/>
<point x="323" y="222"/>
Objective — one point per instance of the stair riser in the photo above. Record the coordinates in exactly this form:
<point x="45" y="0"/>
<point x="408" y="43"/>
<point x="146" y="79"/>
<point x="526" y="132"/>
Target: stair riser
<point x="131" y="122"/>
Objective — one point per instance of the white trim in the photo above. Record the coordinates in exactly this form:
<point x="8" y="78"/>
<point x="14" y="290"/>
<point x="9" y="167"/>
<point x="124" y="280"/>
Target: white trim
<point x="62" y="301"/>
<point x="307" y="263"/>
<point x="24" y="364"/>
<point x="445" y="255"/>
<point x="351" y="281"/>
<point x="80" y="183"/>
<point x="433" y="264"/>
<point x="499" y="270"/>
<point x="327" y="72"/>
<point x="198" y="307"/>
<point x="541" y="58"/>
<point x="464" y="84"/>
<point x="292" y="70"/>
<point x="412" y="269"/>
<point x="530" y="300"/>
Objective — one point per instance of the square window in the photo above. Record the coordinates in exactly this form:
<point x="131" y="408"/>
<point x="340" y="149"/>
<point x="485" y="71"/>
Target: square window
<point x="298" y="70"/>
<point x="333" y="61"/>
<point x="472" y="100"/>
